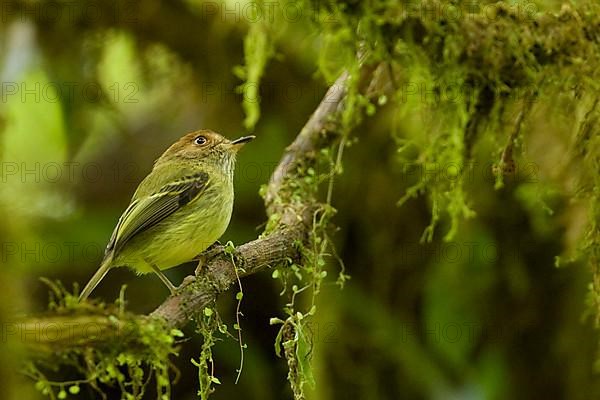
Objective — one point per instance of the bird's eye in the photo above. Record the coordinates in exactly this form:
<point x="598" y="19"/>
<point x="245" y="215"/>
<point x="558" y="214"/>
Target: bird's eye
<point x="200" y="140"/>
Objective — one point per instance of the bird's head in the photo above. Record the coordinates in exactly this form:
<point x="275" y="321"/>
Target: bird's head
<point x="205" y="147"/>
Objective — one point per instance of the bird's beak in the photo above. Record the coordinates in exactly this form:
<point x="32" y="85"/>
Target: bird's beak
<point x="239" y="142"/>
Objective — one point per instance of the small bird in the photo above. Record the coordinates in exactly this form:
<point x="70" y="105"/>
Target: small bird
<point x="179" y="210"/>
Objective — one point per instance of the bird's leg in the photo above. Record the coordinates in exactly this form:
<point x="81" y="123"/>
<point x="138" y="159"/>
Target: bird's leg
<point x="186" y="281"/>
<point x="208" y="254"/>
<point x="164" y="279"/>
<point x="172" y="288"/>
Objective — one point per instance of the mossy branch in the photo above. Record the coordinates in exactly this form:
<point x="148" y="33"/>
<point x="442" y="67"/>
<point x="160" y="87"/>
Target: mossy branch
<point x="292" y="216"/>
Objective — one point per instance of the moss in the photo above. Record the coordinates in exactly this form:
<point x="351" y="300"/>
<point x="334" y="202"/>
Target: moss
<point x="258" y="49"/>
<point x="456" y="77"/>
<point x="461" y="75"/>
<point x="128" y="350"/>
<point x="207" y="324"/>
<point x="302" y="281"/>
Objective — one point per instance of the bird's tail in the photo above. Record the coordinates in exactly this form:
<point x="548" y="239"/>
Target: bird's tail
<point x="95" y="280"/>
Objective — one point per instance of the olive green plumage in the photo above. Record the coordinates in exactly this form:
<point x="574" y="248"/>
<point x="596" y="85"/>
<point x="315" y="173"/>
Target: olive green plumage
<point x="181" y="208"/>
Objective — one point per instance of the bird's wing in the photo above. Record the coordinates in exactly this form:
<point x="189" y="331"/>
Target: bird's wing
<point x="147" y="211"/>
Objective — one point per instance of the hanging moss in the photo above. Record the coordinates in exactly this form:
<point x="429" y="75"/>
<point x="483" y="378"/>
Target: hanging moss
<point x="459" y="71"/>
<point x="258" y="49"/>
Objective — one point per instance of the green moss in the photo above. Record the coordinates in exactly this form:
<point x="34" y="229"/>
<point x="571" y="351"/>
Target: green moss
<point x="128" y="350"/>
<point x="302" y="280"/>
<point x="207" y="324"/>
<point x="459" y="78"/>
<point x="258" y="49"/>
<point x="456" y="80"/>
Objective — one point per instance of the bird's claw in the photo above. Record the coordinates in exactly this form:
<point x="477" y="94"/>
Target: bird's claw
<point x="186" y="281"/>
<point x="211" y="252"/>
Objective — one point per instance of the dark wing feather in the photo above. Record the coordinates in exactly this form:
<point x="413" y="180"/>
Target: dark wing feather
<point x="146" y="212"/>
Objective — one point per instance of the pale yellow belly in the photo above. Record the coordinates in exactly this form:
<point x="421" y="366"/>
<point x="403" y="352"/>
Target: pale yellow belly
<point x="180" y="237"/>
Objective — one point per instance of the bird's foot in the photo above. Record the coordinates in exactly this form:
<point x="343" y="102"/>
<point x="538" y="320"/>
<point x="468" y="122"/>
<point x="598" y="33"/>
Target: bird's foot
<point x="186" y="281"/>
<point x="211" y="252"/>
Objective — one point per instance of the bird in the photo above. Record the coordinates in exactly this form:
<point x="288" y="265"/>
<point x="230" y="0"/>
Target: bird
<point x="181" y="208"/>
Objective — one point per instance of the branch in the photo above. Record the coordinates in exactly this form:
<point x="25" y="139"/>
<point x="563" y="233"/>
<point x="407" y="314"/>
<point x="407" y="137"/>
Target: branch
<point x="277" y="247"/>
<point x="293" y="215"/>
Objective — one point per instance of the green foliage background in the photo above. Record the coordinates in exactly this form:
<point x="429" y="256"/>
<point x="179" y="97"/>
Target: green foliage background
<point x="465" y="283"/>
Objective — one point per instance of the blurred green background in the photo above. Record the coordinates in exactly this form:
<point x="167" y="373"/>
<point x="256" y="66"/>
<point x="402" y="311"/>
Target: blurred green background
<point x="93" y="92"/>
